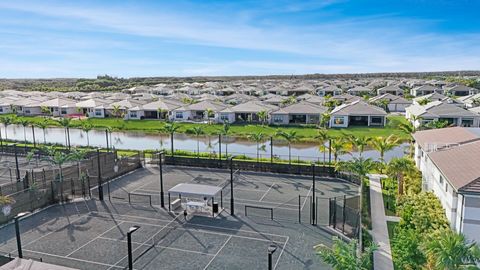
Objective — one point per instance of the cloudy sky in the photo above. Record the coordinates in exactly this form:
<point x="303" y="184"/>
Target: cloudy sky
<point x="206" y="37"/>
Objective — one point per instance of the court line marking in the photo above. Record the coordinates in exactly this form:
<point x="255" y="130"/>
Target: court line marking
<point x="218" y="252"/>
<point x="308" y="194"/>
<point x="160" y="246"/>
<point x="265" y="194"/>
<point x="71" y="258"/>
<point x="281" y="253"/>
<point x="201" y="225"/>
<point x="56" y="230"/>
<point x="96" y="237"/>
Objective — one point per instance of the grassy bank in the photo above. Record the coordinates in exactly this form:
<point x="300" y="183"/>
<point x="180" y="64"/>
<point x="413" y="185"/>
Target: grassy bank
<point x="305" y="132"/>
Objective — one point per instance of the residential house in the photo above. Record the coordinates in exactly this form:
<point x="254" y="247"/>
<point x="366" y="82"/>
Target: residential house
<point x="60" y="107"/>
<point x="198" y="111"/>
<point x="470" y="101"/>
<point x="390" y="89"/>
<point x="6" y="105"/>
<point x="345" y="98"/>
<point x="329" y="90"/>
<point x="359" y="91"/>
<point x="245" y="112"/>
<point x="461" y="90"/>
<point x="425" y="90"/>
<point x="357" y="113"/>
<point x="160" y="109"/>
<point x="393" y="103"/>
<point x="449" y="161"/>
<point x="298" y="113"/>
<point x="441" y="111"/>
<point x="93" y="107"/>
<point x="120" y="108"/>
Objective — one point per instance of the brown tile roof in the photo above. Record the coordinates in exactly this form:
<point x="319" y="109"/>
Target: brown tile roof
<point x="460" y="165"/>
<point x="444" y="136"/>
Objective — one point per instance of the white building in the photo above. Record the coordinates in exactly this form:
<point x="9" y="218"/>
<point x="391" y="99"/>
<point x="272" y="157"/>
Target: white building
<point x="449" y="160"/>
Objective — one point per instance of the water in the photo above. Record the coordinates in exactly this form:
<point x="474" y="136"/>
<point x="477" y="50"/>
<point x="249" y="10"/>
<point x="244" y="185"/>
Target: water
<point x="144" y="141"/>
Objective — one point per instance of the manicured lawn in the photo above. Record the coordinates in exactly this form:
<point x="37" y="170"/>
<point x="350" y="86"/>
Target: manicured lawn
<point x="306" y="133"/>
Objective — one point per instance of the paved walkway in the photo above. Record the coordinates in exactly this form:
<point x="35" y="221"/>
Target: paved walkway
<point x="383" y="256"/>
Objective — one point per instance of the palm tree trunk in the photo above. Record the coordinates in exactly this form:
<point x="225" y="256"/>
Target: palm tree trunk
<point x="68" y="137"/>
<point x="44" y="138"/>
<point x="289" y="154"/>
<point x="257" y="152"/>
<point x="6" y="137"/>
<point x="88" y="140"/>
<point x="198" y="147"/>
<point x="400" y="184"/>
<point x="171" y="141"/>
<point x="226" y="150"/>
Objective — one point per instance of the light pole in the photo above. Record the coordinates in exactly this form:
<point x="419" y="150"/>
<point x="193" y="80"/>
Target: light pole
<point x="160" y="167"/>
<point x="314" y="210"/>
<point x="271" y="249"/>
<point x="100" y="184"/>
<point x="129" y="245"/>
<point x="17" y="232"/>
<point x="232" y="208"/>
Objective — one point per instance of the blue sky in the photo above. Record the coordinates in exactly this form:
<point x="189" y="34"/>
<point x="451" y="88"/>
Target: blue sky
<point x="208" y="37"/>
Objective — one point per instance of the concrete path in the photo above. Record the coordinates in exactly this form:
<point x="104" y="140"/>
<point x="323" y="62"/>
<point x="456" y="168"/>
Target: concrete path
<point x="383" y="256"/>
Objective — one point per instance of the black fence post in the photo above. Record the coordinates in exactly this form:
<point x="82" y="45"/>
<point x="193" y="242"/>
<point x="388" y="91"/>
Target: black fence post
<point x="335" y="212"/>
<point x="232" y="208"/>
<point x="17" y="170"/>
<point x="271" y="149"/>
<point x="343" y="217"/>
<point x="100" y="184"/>
<point x="160" y="165"/>
<point x="33" y="134"/>
<point x="314" y="218"/>
<point x="299" y="209"/>
<point x="106" y="137"/>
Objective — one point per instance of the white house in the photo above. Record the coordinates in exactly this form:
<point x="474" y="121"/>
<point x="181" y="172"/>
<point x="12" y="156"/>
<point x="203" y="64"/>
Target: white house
<point x="92" y="107"/>
<point x="441" y="111"/>
<point x="298" y="113"/>
<point x="449" y="161"/>
<point x="425" y="90"/>
<point x="60" y="106"/>
<point x="357" y="113"/>
<point x="395" y="103"/>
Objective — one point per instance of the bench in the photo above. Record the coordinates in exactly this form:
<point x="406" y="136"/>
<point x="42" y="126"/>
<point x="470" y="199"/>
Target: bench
<point x="176" y="204"/>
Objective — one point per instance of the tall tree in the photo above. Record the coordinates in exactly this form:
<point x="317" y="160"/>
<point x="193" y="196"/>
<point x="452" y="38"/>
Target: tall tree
<point x="325" y="120"/>
<point x="87" y="127"/>
<point x="171" y="128"/>
<point x="43" y="125"/>
<point x="359" y="143"/>
<point x="24" y="123"/>
<point x="339" y="146"/>
<point x="323" y="137"/>
<point x="360" y="166"/>
<point x="397" y="168"/>
<point x="452" y="251"/>
<point x="263" y="117"/>
<point x="382" y="145"/>
<point x="344" y="256"/>
<point x="291" y="137"/>
<point x="6" y="121"/>
<point x="66" y="124"/>
<point x="257" y="138"/>
<point x="197" y="131"/>
<point x="225" y="131"/>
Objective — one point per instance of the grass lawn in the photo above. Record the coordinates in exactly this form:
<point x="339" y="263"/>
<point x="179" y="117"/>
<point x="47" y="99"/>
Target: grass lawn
<point x="306" y="133"/>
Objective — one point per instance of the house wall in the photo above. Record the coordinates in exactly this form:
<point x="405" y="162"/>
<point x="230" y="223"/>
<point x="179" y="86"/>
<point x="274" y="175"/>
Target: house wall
<point x="339" y="121"/>
<point x="279" y="119"/>
<point x="185" y="115"/>
<point x="221" y="117"/>
<point x="471" y="217"/>
<point x="67" y="111"/>
<point x="27" y="110"/>
<point x="96" y="112"/>
<point x="135" y="115"/>
<point x="397" y="107"/>
<point x="5" y="109"/>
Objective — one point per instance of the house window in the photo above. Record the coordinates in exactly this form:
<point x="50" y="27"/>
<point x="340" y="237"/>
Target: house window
<point x="133" y="114"/>
<point x="339" y="120"/>
<point x="376" y="120"/>
<point x="98" y="112"/>
<point x="278" y="119"/>
<point x="1" y="109"/>
<point x="27" y="111"/>
<point x="441" y="179"/>
<point x="446" y="187"/>
<point x="63" y="111"/>
<point x="224" y="117"/>
<point x="467" y="122"/>
<point x="179" y="115"/>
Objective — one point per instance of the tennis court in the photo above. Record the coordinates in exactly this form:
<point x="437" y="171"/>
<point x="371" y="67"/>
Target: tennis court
<point x="92" y="234"/>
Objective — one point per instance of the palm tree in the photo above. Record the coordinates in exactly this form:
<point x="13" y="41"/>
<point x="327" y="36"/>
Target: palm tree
<point x="398" y="168"/>
<point x="6" y="121"/>
<point x="262" y="116"/>
<point x="360" y="166"/>
<point x="66" y="123"/>
<point x="359" y="142"/>
<point x="325" y="119"/>
<point x="436" y="124"/>
<point x="258" y="138"/>
<point x="384" y="104"/>
<point x="323" y="137"/>
<point x="116" y="110"/>
<point x="87" y="127"/>
<point x="45" y="110"/>
<point x="290" y="136"/>
<point x="452" y="251"/>
<point x="43" y="125"/>
<point x="225" y="131"/>
<point x="24" y="123"/>
<point x="171" y="128"/>
<point x="197" y="130"/>
<point x="382" y="145"/>
<point x="423" y="101"/>
<point x="160" y="112"/>
<point x="344" y="256"/>
<point x="339" y="146"/>
<point x="77" y="155"/>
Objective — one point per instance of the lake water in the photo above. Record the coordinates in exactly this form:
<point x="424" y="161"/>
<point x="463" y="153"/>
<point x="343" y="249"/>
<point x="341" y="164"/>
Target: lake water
<point x="144" y="141"/>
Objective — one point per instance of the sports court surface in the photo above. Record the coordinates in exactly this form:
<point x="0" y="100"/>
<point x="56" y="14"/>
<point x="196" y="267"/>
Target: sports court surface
<point x="92" y="234"/>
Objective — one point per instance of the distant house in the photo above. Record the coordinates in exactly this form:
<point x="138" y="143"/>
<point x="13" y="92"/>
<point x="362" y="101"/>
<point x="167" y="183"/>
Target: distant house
<point x="60" y="107"/>
<point x="441" y="111"/>
<point x="120" y="108"/>
<point x="6" y="105"/>
<point x="345" y="98"/>
<point x="160" y="109"/>
<point x="395" y="103"/>
<point x="329" y="91"/>
<point x="448" y="159"/>
<point x="359" y="91"/>
<point x="197" y="111"/>
<point x="92" y="107"/>
<point x="425" y="90"/>
<point x="312" y="99"/>
<point x="461" y="90"/>
<point x="357" y="113"/>
<point x="429" y="97"/>
<point x="470" y="101"/>
<point x="390" y="89"/>
<point x="298" y="113"/>
<point x="245" y="112"/>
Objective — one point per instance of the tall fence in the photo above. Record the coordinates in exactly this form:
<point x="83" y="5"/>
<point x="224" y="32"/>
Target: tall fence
<point x="40" y="187"/>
